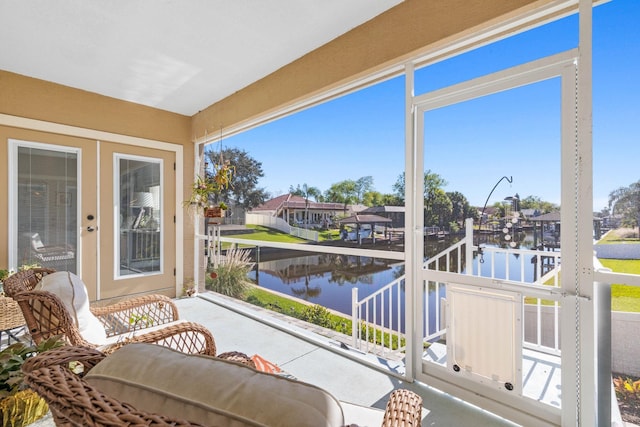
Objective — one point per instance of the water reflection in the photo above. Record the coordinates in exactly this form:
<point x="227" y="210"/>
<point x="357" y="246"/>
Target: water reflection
<point x="327" y="279"/>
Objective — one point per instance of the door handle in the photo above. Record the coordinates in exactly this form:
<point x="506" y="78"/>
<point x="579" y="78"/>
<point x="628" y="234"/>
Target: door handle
<point x="91" y="228"/>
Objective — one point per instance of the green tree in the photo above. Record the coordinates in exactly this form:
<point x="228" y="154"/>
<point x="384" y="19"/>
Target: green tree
<point x="398" y="188"/>
<point x="373" y="198"/>
<point x="535" y="202"/>
<point x="243" y="191"/>
<point x="342" y="192"/>
<point x="363" y="185"/>
<point x="391" y="200"/>
<point x="625" y="201"/>
<point x="460" y="208"/>
<point x="306" y="192"/>
<point x="437" y="205"/>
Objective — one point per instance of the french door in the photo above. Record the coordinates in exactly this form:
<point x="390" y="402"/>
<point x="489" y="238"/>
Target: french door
<point x="102" y="210"/>
<point x="137" y="199"/>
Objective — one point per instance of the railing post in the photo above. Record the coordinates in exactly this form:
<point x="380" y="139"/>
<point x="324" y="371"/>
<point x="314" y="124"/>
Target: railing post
<point x="354" y="316"/>
<point x="602" y="300"/>
<point x="468" y="224"/>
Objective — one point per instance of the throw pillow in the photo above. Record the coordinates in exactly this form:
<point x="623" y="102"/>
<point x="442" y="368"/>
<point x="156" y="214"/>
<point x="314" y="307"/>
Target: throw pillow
<point x="73" y="294"/>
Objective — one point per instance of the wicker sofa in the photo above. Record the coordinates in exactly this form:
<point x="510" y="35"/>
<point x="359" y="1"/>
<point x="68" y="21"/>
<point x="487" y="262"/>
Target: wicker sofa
<point x="163" y="387"/>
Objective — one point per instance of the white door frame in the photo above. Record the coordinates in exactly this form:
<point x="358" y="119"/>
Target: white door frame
<point x="96" y="135"/>
<point x="14" y="144"/>
<point x="563" y="66"/>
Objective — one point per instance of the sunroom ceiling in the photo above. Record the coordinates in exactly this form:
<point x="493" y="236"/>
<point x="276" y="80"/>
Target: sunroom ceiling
<point x="179" y="56"/>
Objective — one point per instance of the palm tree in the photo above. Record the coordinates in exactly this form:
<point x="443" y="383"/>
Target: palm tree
<point x="306" y="192"/>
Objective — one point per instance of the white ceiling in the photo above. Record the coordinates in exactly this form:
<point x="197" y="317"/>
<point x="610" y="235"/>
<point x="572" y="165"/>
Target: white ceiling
<point x="176" y="55"/>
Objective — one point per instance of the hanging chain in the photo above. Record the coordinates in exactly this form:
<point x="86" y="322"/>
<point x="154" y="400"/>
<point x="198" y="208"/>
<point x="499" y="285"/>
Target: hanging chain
<point x="576" y="189"/>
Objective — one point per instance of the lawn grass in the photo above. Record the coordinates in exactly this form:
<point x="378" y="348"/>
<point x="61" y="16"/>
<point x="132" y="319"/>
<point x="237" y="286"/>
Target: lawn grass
<point x="310" y="313"/>
<point x="261" y="232"/>
<point x="281" y="304"/>
<point x="267" y="234"/>
<point x="620" y="235"/>
<point x="623" y="297"/>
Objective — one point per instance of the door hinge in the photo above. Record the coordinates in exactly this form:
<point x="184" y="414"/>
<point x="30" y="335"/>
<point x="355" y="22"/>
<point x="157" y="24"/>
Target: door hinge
<point x="174" y="271"/>
<point x="174" y="165"/>
<point x="174" y="219"/>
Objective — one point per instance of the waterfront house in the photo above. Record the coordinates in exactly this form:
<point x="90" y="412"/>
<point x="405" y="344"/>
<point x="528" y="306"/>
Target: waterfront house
<point x="301" y="212"/>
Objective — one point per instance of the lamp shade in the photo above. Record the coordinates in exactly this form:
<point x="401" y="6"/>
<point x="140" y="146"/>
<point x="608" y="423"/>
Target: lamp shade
<point x="142" y="200"/>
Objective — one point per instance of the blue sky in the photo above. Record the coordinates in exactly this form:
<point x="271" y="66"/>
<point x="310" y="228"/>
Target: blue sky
<point x="471" y="145"/>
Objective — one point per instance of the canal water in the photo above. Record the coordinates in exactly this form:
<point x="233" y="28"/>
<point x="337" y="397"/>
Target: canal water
<point x="328" y="279"/>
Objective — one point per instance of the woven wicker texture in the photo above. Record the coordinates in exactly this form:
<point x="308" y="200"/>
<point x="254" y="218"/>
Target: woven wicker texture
<point x="238" y="357"/>
<point x="24" y="280"/>
<point x="46" y="316"/>
<point x="10" y="314"/>
<point x="404" y="409"/>
<point x="73" y="402"/>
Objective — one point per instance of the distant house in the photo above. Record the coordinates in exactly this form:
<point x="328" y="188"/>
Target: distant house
<point x="293" y="209"/>
<point x="527" y="214"/>
<point x="394" y="213"/>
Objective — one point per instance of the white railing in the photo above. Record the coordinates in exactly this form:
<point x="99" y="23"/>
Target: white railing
<point x="541" y="316"/>
<point x="509" y="265"/>
<point x="282" y="225"/>
<point x="378" y="320"/>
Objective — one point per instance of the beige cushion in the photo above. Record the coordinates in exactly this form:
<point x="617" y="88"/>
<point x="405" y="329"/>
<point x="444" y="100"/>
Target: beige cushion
<point x="210" y="391"/>
<point x="73" y="294"/>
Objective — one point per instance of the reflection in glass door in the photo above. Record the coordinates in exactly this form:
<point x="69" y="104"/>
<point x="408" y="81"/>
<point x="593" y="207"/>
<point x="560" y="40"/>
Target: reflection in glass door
<point x="47" y="206"/>
<point x="138" y="200"/>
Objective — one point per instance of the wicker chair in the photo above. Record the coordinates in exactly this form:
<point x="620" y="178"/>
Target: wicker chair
<point x="74" y="402"/>
<point x="46" y="316"/>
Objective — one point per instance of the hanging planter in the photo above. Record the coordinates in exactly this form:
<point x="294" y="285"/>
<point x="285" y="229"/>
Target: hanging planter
<point x="204" y="190"/>
<point x="214" y="212"/>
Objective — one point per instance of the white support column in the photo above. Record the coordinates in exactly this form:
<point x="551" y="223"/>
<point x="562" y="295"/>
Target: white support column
<point x="198" y="161"/>
<point x="411" y="286"/>
<point x="588" y="328"/>
<point x="579" y="385"/>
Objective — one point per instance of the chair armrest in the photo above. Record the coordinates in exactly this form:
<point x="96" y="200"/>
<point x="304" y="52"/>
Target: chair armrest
<point x="46" y="316"/>
<point x="136" y="313"/>
<point x="186" y="337"/>
<point x="238" y="357"/>
<point x="24" y="280"/>
<point x="89" y="357"/>
<point x="404" y="409"/>
<point x="73" y="401"/>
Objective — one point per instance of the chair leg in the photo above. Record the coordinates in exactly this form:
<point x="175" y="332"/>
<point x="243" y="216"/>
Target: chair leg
<point x="14" y="334"/>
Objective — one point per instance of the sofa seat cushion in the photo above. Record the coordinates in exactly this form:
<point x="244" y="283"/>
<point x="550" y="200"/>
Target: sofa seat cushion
<point x="71" y="290"/>
<point x="210" y="391"/>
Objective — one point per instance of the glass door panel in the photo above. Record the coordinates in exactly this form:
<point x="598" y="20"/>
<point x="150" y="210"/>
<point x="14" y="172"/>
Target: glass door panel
<point x="137" y="246"/>
<point x="138" y="200"/>
<point x="47" y="206"/>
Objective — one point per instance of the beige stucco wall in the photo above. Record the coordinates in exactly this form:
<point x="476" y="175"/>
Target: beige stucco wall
<point x="30" y="98"/>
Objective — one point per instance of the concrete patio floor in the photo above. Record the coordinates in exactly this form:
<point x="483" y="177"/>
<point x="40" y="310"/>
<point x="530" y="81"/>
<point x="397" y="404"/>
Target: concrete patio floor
<point x="319" y="360"/>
